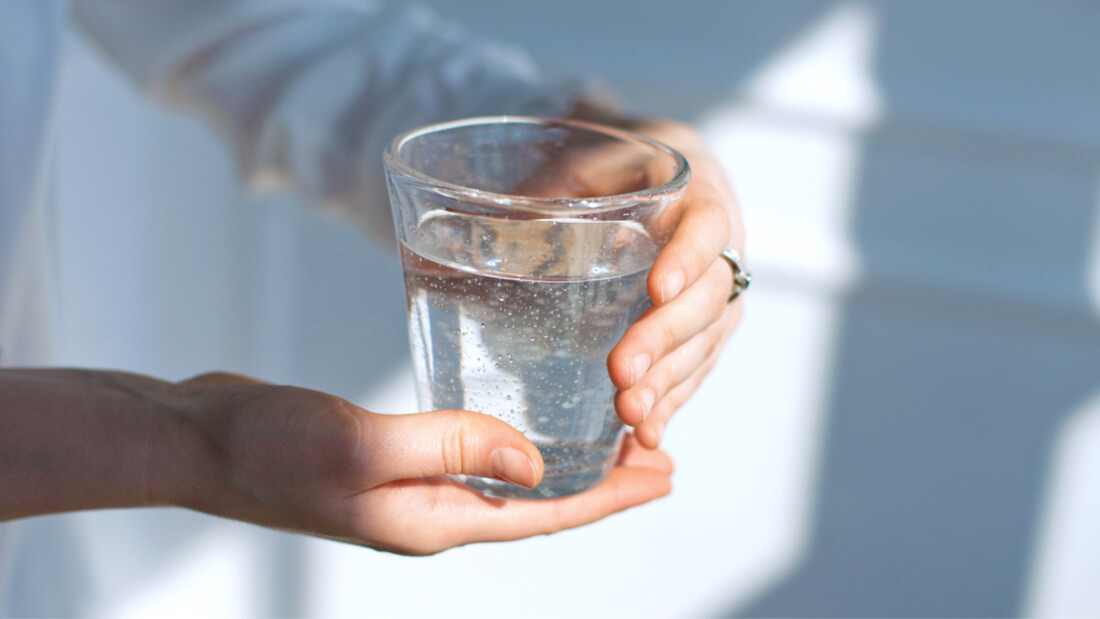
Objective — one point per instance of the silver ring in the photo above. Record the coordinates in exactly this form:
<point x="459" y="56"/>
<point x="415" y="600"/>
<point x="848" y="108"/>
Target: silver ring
<point x="741" y="277"/>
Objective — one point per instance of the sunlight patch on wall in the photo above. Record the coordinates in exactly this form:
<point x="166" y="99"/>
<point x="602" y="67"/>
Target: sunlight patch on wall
<point x="828" y="72"/>
<point x="1066" y="558"/>
<point x="791" y="141"/>
<point x="791" y="138"/>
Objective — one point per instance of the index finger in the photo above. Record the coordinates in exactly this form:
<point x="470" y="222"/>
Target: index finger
<point x="641" y="475"/>
<point x="624" y="488"/>
<point x="702" y="232"/>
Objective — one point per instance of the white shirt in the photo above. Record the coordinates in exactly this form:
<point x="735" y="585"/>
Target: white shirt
<point x="306" y="94"/>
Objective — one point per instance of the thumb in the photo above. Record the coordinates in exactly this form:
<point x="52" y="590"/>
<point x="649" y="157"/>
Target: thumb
<point x="452" y="442"/>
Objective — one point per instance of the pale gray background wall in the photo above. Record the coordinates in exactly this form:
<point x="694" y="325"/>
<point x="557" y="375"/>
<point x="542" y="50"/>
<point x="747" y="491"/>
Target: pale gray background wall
<point x="906" y="424"/>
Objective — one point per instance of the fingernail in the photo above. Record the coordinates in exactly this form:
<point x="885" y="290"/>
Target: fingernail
<point x="671" y="286"/>
<point x="638" y="365"/>
<point x="646" y="396"/>
<point x="513" y="466"/>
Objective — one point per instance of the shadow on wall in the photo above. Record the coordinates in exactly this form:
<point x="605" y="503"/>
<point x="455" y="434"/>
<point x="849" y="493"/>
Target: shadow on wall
<point x="971" y="336"/>
<point x="169" y="268"/>
<point x="688" y="55"/>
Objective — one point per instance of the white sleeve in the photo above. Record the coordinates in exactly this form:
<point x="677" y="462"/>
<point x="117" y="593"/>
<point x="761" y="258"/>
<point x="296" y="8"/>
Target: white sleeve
<point x="309" y="93"/>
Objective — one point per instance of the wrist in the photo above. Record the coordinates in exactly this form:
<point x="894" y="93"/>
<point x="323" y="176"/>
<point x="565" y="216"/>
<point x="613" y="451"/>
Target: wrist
<point x="178" y="459"/>
<point x="200" y="466"/>
<point x="187" y="468"/>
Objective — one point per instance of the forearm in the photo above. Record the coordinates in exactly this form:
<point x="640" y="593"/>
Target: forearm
<point x="282" y="457"/>
<point x="309" y="94"/>
<point x="74" y="440"/>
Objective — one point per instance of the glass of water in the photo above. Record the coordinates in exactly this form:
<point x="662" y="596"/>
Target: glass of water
<point x="526" y="244"/>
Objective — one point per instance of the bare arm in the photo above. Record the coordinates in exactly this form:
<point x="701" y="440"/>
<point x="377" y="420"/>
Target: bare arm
<point x="76" y="439"/>
<point x="282" y="457"/>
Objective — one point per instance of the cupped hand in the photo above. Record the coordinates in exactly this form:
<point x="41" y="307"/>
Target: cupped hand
<point x="666" y="353"/>
<point x="305" y="461"/>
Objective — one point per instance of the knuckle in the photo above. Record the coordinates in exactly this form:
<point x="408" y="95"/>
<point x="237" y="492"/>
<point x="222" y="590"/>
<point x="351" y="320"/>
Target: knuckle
<point x="412" y="543"/>
<point x="408" y="536"/>
<point x="721" y="224"/>
<point x="459" y="444"/>
<point x="618" y="355"/>
<point x="664" y="378"/>
<point x="425" y="545"/>
<point x="341" y="457"/>
<point x="719" y="286"/>
<point x="698" y="257"/>
<point x="667" y="337"/>
<point x="717" y="300"/>
<point x="556" y="522"/>
<point x="620" y="496"/>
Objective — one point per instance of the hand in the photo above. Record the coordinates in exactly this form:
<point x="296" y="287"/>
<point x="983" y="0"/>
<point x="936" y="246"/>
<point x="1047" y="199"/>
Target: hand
<point x="305" y="461"/>
<point x="666" y="353"/>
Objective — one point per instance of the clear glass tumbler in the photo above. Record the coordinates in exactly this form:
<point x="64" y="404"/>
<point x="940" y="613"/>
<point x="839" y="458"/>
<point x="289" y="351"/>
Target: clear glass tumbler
<point x="526" y="244"/>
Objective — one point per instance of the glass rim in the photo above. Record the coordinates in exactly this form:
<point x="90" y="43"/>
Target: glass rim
<point x="670" y="189"/>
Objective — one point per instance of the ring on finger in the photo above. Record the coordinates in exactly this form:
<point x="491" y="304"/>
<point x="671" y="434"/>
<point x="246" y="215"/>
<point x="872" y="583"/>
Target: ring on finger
<point x="741" y="277"/>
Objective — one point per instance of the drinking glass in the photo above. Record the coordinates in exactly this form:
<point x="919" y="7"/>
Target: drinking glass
<point x="525" y="245"/>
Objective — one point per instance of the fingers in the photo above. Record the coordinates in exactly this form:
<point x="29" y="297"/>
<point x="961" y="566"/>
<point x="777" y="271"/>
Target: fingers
<point x="625" y="487"/>
<point x="668" y="327"/>
<point x="650" y="433"/>
<point x="582" y="172"/>
<point x="702" y="232"/>
<point x="634" y="455"/>
<point x="426" y="516"/>
<point x="449" y="443"/>
<point x="634" y="405"/>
